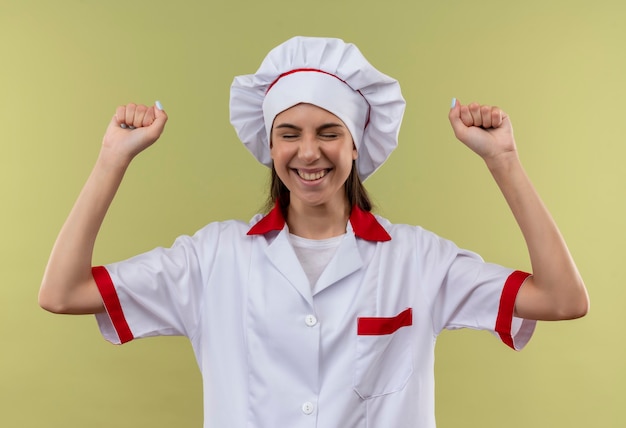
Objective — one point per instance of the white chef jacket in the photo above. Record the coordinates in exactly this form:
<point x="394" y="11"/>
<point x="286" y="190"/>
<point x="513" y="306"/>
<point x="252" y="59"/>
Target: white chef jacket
<point x="355" y="350"/>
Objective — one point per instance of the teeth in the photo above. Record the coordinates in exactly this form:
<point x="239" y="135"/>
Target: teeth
<point x="312" y="176"/>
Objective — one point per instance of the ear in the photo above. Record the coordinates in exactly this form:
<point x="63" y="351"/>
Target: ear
<point x="355" y="153"/>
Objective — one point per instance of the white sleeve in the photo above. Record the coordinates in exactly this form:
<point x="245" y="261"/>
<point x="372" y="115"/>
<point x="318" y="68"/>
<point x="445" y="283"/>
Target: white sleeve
<point x="467" y="292"/>
<point x="158" y="292"/>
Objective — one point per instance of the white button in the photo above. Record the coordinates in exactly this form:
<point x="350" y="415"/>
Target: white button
<point x="310" y="320"/>
<point x="307" y="408"/>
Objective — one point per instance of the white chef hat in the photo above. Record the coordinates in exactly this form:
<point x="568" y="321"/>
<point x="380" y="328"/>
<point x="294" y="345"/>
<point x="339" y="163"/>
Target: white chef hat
<point x="330" y="74"/>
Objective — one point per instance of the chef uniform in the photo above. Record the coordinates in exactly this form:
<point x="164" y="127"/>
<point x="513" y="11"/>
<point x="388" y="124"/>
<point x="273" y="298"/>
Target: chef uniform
<point x="354" y="347"/>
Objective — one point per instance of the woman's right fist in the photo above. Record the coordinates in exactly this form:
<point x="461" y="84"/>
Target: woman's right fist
<point x="133" y="129"/>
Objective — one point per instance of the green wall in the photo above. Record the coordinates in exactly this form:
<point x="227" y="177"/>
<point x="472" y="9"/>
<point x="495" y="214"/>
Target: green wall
<point x="556" y="67"/>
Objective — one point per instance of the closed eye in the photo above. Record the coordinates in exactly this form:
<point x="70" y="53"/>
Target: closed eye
<point x="330" y="130"/>
<point x="287" y="131"/>
<point x="288" y="136"/>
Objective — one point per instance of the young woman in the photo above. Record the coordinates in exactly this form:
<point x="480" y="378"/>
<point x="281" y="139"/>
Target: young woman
<point x="318" y="313"/>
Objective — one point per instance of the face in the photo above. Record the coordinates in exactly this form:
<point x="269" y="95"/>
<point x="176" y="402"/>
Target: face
<point x="312" y="151"/>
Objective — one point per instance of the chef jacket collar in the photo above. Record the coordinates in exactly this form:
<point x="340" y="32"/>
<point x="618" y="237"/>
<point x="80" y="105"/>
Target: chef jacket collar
<point x="364" y="224"/>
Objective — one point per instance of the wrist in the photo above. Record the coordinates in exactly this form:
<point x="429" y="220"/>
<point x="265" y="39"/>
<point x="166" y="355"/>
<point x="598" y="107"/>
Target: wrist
<point x="113" y="161"/>
<point x="503" y="163"/>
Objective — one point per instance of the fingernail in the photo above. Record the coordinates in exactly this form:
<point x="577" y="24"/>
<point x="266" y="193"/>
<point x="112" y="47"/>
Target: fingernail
<point x="158" y="105"/>
<point x="453" y="103"/>
<point x="123" y="125"/>
<point x="131" y="127"/>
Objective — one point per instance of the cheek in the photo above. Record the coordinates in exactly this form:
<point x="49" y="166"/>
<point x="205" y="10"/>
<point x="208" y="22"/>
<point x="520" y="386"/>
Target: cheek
<point x="279" y="153"/>
<point x="276" y="150"/>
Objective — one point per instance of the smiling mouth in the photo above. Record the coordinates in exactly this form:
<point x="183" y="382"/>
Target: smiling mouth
<point x="311" y="176"/>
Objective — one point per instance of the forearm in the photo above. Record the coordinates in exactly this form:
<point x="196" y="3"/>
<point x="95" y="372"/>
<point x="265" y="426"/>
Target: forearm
<point x="556" y="290"/>
<point x="68" y="286"/>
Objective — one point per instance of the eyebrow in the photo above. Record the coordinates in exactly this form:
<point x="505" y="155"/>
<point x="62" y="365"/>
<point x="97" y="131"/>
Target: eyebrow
<point x="319" y="128"/>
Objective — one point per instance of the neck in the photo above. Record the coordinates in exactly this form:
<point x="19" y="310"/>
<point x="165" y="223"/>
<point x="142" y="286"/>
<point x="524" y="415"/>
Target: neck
<point x="318" y="222"/>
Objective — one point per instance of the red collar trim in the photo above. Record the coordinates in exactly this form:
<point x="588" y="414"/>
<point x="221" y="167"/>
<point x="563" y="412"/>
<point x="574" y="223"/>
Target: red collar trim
<point x="364" y="225"/>
<point x="273" y="220"/>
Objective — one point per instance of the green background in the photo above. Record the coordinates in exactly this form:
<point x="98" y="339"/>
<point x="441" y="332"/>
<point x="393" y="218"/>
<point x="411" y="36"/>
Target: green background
<point x="558" y="68"/>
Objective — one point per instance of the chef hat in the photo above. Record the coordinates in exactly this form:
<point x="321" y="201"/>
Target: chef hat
<point x="330" y="74"/>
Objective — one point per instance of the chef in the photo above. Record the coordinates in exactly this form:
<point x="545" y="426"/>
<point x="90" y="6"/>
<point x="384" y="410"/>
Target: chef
<point x="317" y="313"/>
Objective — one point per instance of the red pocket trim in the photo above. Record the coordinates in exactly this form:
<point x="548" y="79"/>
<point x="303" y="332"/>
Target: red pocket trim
<point x="376" y="326"/>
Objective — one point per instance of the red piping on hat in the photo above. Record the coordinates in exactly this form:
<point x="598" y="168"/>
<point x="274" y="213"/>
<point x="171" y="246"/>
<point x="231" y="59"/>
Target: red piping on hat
<point x="298" y="70"/>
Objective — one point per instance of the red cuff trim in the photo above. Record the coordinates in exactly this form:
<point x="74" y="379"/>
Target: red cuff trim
<point x="507" y="306"/>
<point x="112" y="303"/>
<point x="375" y="326"/>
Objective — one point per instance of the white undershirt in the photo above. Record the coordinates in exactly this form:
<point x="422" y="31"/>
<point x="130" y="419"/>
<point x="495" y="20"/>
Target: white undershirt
<point x="314" y="254"/>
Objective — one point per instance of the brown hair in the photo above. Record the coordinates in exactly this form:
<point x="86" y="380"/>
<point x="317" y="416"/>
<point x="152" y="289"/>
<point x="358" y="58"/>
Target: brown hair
<point x="355" y="192"/>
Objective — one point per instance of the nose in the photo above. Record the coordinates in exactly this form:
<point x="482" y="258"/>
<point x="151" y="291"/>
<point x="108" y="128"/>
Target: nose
<point x="309" y="149"/>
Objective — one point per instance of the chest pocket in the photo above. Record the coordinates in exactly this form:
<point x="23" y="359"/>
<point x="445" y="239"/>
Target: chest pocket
<point x="384" y="354"/>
